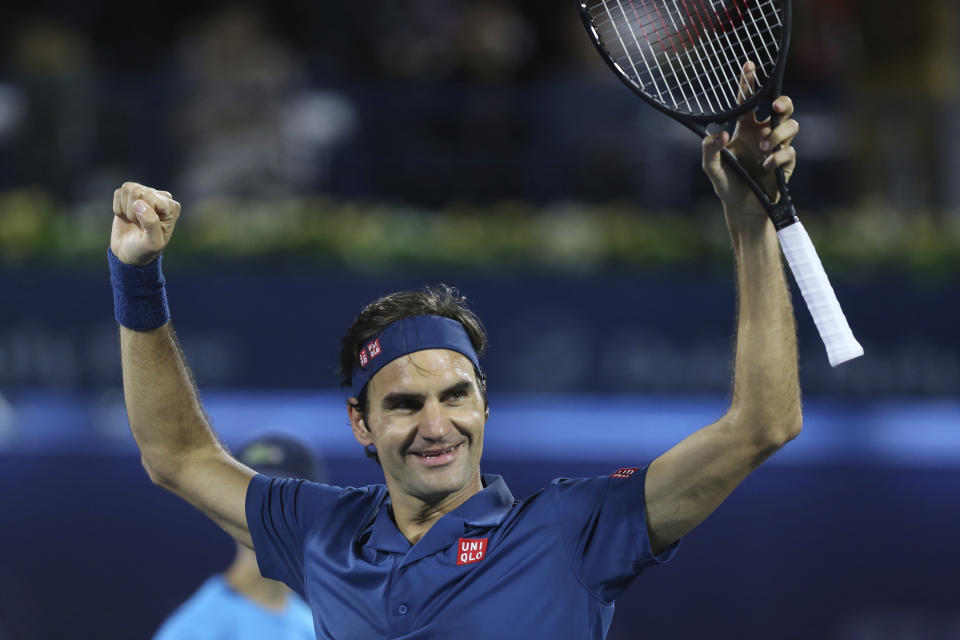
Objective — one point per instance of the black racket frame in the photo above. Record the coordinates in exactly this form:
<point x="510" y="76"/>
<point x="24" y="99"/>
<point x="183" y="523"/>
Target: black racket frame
<point x="782" y="213"/>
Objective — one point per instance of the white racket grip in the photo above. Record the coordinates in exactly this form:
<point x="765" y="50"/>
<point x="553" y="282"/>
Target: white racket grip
<point x="818" y="294"/>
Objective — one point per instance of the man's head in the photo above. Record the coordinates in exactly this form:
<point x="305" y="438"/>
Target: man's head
<point x="424" y="406"/>
<point x="440" y="300"/>
<point x="281" y="457"/>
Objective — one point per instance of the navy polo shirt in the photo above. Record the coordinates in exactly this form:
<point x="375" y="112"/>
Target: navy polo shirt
<point x="549" y="566"/>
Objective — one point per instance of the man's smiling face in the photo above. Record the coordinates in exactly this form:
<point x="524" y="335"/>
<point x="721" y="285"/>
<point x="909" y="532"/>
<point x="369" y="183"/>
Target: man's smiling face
<point x="426" y="416"/>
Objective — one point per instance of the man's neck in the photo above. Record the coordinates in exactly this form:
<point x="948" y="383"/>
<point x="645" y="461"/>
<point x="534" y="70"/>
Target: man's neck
<point x="414" y="516"/>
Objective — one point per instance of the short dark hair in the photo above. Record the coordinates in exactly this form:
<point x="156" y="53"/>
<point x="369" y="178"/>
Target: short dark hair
<point x="436" y="300"/>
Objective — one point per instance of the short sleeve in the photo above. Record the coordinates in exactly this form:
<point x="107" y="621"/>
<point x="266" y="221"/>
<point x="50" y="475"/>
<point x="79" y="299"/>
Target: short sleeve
<point x="280" y="513"/>
<point x="603" y="522"/>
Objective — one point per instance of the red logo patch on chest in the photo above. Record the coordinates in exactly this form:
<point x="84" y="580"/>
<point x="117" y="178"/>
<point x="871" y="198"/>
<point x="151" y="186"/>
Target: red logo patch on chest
<point x="470" y="550"/>
<point x="624" y="473"/>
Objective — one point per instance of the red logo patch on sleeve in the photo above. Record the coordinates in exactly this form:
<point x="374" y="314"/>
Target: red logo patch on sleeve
<point x="624" y="473"/>
<point x="363" y="358"/>
<point x="374" y="348"/>
<point x="470" y="550"/>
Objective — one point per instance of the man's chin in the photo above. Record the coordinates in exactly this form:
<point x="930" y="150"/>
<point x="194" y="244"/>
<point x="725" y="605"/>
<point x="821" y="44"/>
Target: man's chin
<point x="438" y="485"/>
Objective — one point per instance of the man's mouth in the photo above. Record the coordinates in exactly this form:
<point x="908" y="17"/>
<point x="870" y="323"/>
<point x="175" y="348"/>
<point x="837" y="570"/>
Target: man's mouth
<point x="435" y="457"/>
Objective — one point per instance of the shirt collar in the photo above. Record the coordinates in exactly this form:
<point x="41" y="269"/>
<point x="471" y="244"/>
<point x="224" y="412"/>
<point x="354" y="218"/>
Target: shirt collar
<point x="486" y="508"/>
<point x="489" y="507"/>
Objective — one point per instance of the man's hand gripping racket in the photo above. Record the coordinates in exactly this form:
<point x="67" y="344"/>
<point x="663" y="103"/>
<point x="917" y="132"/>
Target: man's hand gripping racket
<point x="713" y="61"/>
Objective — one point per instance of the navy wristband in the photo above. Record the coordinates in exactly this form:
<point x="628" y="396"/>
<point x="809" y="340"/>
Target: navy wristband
<point x="139" y="295"/>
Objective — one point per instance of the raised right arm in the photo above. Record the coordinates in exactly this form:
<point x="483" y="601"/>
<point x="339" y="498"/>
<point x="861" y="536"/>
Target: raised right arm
<point x="178" y="447"/>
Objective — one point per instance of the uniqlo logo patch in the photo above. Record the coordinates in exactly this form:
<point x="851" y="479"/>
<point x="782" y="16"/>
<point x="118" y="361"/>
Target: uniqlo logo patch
<point x="624" y="473"/>
<point x="374" y="348"/>
<point x="363" y="358"/>
<point x="470" y="550"/>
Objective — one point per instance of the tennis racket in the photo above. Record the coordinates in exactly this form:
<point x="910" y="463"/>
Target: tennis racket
<point x="685" y="57"/>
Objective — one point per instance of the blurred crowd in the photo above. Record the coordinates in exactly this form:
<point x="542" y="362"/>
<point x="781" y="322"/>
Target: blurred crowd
<point x="430" y="100"/>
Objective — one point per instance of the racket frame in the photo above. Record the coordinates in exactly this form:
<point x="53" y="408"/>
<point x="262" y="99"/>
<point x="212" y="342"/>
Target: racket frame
<point x="782" y="213"/>
<point x="797" y="247"/>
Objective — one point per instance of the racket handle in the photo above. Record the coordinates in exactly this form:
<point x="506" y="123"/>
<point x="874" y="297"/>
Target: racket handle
<point x="818" y="294"/>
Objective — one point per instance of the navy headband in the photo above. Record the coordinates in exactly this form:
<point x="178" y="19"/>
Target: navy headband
<point x="406" y="336"/>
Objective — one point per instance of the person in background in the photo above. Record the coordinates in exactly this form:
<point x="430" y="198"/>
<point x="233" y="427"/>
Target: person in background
<point x="240" y="603"/>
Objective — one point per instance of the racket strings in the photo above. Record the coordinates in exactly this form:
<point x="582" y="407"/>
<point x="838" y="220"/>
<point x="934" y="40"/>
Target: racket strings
<point x="689" y="54"/>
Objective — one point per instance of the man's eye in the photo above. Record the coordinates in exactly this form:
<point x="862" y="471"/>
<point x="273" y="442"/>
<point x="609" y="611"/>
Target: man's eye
<point x="404" y="406"/>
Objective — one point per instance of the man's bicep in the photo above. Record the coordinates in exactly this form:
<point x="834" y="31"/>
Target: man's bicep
<point x="215" y="483"/>
<point x="689" y="481"/>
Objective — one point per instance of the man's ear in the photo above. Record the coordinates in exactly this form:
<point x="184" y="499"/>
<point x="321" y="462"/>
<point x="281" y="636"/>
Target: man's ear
<point x="357" y="423"/>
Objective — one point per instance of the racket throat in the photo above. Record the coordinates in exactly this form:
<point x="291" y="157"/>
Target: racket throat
<point x="783" y="214"/>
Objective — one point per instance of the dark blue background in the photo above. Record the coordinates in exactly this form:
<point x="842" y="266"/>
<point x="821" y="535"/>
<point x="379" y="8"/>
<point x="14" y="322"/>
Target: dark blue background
<point x="92" y="549"/>
<point x="276" y="328"/>
<point x="848" y="534"/>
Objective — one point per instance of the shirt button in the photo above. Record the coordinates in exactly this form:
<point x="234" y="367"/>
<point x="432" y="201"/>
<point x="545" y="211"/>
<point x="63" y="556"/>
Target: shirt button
<point x="402" y="609"/>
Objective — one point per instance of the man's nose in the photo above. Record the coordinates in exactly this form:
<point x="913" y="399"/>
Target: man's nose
<point x="435" y="424"/>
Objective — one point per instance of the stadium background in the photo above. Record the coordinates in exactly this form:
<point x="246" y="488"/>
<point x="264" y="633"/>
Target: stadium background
<point x="327" y="153"/>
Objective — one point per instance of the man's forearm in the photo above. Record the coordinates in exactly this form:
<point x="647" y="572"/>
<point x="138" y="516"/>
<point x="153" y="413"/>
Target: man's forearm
<point x="165" y="414"/>
<point x="766" y="392"/>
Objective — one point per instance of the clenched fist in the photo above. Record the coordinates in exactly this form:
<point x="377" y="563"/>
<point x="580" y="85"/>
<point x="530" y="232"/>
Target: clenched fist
<point x="143" y="221"/>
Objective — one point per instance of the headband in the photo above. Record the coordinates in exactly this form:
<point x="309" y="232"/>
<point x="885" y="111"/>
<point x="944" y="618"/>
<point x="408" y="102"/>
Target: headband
<point x="415" y="333"/>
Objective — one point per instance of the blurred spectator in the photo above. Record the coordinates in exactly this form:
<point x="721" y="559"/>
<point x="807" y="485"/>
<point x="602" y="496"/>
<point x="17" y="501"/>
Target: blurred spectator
<point x="54" y="108"/>
<point x="250" y="125"/>
<point x="432" y="40"/>
<point x="416" y="39"/>
<point x="240" y="603"/>
<point x="496" y="41"/>
<point x="907" y="79"/>
<point x="823" y="44"/>
<point x="481" y="96"/>
<point x="13" y="108"/>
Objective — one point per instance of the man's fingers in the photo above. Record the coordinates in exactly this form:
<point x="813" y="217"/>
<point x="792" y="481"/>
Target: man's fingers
<point x="160" y="201"/>
<point x="162" y="206"/>
<point x="149" y="222"/>
<point x="117" y="204"/>
<point x="783" y="106"/>
<point x="168" y="208"/>
<point x="748" y="82"/>
<point x="712" y="146"/>
<point x="712" y="162"/>
<point x="781" y="158"/>
<point x="783" y="134"/>
<point x="130" y="193"/>
<point x="148" y="216"/>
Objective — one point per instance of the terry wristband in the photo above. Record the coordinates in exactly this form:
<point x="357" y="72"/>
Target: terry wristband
<point x="139" y="295"/>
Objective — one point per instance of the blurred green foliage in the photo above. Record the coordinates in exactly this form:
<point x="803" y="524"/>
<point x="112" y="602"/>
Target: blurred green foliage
<point x="569" y="237"/>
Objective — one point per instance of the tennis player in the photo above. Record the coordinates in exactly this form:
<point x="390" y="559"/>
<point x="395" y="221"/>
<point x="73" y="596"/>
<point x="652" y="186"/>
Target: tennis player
<point x="441" y="550"/>
<point x="239" y="603"/>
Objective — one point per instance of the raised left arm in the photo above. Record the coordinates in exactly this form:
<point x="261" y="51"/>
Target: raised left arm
<point x="684" y="485"/>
